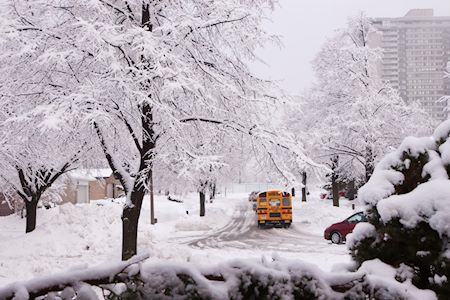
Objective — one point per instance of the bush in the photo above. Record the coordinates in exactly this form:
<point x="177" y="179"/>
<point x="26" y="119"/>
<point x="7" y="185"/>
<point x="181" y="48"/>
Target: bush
<point x="237" y="280"/>
<point x="408" y="205"/>
<point x="285" y="279"/>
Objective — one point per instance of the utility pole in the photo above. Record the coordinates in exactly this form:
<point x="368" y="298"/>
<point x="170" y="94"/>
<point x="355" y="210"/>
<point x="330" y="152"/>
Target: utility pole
<point x="304" y="187"/>
<point x="152" y="206"/>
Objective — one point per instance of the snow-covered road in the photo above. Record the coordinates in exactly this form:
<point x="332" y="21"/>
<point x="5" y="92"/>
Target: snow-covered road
<point x="242" y="233"/>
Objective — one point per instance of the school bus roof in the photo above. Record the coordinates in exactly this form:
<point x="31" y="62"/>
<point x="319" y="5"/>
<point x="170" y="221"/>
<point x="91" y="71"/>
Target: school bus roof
<point x="273" y="193"/>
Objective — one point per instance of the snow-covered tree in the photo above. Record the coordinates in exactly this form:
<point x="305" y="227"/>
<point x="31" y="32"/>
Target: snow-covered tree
<point x="407" y="202"/>
<point x="210" y="154"/>
<point x="33" y="158"/>
<point x="446" y="98"/>
<point x="205" y="174"/>
<point x="40" y="139"/>
<point x="144" y="72"/>
<point x="351" y="111"/>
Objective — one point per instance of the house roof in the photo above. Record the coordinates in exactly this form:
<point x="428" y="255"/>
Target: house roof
<point x="90" y="174"/>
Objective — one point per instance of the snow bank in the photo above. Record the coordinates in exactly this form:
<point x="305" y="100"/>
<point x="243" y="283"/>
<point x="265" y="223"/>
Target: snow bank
<point x="71" y="236"/>
<point x="66" y="236"/>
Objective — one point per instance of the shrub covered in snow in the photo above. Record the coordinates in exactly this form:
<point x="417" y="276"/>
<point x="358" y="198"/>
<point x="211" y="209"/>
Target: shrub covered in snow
<point x="408" y="206"/>
<point x="238" y="279"/>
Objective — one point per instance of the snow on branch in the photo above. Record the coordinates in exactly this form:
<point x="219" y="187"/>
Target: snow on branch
<point x="236" y="279"/>
<point x="100" y="275"/>
<point x="120" y="174"/>
<point x="265" y="135"/>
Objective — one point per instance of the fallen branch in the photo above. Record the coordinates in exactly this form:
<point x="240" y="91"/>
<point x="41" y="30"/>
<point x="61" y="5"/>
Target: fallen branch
<point x="174" y="199"/>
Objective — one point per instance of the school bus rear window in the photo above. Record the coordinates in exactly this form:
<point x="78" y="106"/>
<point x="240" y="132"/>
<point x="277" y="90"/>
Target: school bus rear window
<point x="274" y="202"/>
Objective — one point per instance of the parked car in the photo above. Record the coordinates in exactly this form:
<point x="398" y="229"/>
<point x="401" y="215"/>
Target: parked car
<point x="252" y="196"/>
<point x="338" y="231"/>
<point x="329" y="195"/>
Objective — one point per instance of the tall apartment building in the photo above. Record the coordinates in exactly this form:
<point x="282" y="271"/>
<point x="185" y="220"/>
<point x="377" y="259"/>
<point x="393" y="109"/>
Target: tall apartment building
<point x="416" y="50"/>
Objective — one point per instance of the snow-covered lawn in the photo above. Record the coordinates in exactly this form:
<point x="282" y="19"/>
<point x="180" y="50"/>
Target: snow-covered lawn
<point x="71" y="236"/>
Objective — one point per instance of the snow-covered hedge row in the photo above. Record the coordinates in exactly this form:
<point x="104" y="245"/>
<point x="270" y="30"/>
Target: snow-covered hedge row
<point x="408" y="203"/>
<point x="238" y="279"/>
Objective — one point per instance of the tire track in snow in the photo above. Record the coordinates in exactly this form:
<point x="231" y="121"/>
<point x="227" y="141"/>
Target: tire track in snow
<point x="242" y="232"/>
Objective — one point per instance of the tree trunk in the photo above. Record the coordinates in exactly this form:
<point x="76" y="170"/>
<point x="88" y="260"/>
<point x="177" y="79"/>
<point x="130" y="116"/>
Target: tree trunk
<point x="351" y="190"/>
<point x="369" y="164"/>
<point x="130" y="214"/>
<point x="334" y="177"/>
<point x="202" y="203"/>
<point x="130" y="219"/>
<point x="304" y="187"/>
<point x="303" y="194"/>
<point x="212" y="192"/>
<point x="31" y="207"/>
<point x="369" y="170"/>
<point x="335" y="190"/>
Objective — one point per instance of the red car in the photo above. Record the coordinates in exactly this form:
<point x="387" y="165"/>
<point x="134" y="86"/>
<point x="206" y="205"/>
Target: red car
<point x="330" y="195"/>
<point x="338" y="231"/>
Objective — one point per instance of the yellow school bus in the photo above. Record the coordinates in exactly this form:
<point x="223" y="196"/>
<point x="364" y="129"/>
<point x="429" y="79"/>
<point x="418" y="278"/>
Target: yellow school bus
<point x="274" y="208"/>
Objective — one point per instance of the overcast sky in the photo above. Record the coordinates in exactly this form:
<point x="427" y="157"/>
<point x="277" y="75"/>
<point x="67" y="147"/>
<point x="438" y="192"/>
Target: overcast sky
<point x="304" y="25"/>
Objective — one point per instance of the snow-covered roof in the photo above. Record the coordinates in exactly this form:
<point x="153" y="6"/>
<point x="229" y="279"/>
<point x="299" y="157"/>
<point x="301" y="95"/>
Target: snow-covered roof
<point x="90" y="174"/>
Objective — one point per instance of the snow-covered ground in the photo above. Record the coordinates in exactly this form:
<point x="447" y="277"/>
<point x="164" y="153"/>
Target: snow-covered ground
<point x="71" y="236"/>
